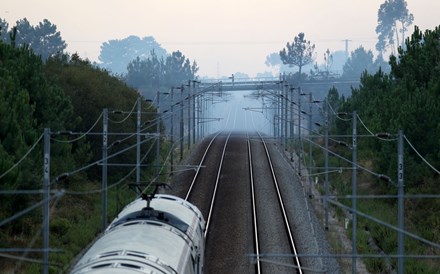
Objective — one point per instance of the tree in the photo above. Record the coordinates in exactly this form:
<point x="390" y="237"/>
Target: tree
<point x="153" y="73"/>
<point x="44" y="39"/>
<point x="328" y="61"/>
<point x="299" y="53"/>
<point x="393" y="18"/>
<point x="117" y="54"/>
<point x="4" y="31"/>
<point x="359" y="61"/>
<point x="48" y="41"/>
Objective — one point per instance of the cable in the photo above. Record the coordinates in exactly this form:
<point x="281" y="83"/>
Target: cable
<point x="81" y="136"/>
<point x="37" y="235"/>
<point x="345" y="159"/>
<point x="22" y="158"/>
<point x="23" y="212"/>
<point x="100" y="160"/>
<point x="421" y="157"/>
<point x="128" y="115"/>
<point x="372" y="134"/>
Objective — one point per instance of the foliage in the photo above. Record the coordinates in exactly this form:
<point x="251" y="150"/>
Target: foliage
<point x="63" y="93"/>
<point x="154" y="73"/>
<point x="117" y="54"/>
<point x="391" y="14"/>
<point x="408" y="99"/>
<point x="299" y="53"/>
<point x="362" y="60"/>
<point x="43" y="39"/>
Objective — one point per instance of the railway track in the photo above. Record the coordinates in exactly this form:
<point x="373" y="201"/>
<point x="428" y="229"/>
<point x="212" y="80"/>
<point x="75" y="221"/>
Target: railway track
<point x="242" y="205"/>
<point x="273" y="236"/>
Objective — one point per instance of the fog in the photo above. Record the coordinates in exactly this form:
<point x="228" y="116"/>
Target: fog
<point x="239" y="111"/>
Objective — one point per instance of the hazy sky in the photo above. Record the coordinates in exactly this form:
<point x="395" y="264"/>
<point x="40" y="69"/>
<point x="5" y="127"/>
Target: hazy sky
<point x="223" y="36"/>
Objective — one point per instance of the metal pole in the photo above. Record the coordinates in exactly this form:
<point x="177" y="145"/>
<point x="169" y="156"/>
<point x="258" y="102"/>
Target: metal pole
<point x="181" y="123"/>
<point x="281" y="112"/>
<point x="326" y="166"/>
<point x="189" y="114"/>
<point x="310" y="146"/>
<point x="354" y="194"/>
<point x="299" y="132"/>
<point x="138" y="141"/>
<point x="285" y="116"/>
<point x="194" y="112"/>
<point x="158" y="134"/>
<point x="291" y="124"/>
<point x="172" y="131"/>
<point x="104" y="168"/>
<point x="46" y="192"/>
<point x="400" y="205"/>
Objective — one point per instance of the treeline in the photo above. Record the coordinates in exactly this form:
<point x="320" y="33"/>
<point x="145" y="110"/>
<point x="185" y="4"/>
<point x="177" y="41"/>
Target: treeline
<point x="153" y="73"/>
<point x="408" y="99"/>
<point x="67" y="95"/>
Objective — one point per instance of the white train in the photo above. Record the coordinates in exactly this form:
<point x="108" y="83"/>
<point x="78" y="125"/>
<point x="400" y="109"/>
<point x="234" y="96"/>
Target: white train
<point x="164" y="234"/>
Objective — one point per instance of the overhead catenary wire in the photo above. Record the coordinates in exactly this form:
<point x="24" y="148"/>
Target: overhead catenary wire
<point x="421" y="157"/>
<point x="22" y="158"/>
<point x="125" y="118"/>
<point x="37" y="234"/>
<point x="82" y="135"/>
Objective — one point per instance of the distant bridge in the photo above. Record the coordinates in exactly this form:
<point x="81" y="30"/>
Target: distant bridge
<point x="315" y="86"/>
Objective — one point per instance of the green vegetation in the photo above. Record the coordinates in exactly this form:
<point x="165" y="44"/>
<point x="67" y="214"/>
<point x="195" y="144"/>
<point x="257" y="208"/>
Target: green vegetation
<point x="408" y="98"/>
<point x="63" y="93"/>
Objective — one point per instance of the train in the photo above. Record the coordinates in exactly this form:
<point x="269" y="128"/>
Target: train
<point x="158" y="234"/>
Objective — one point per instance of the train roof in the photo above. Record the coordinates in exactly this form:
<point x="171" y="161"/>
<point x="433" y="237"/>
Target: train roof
<point x="129" y="248"/>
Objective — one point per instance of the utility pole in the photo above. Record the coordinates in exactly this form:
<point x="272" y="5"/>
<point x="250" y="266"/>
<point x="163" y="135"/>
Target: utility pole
<point x="138" y="141"/>
<point x="181" y="123"/>
<point x="158" y="134"/>
<point x="310" y="145"/>
<point x="46" y="191"/>
<point x="346" y="47"/>
<point x="104" y="168"/>
<point x="189" y="114"/>
<point x="299" y="133"/>
<point x="354" y="194"/>
<point x="172" y="131"/>
<point x="400" y="205"/>
<point x="326" y="164"/>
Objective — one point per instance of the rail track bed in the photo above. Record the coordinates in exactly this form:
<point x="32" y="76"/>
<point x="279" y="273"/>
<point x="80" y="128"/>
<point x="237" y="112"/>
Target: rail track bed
<point x="240" y="183"/>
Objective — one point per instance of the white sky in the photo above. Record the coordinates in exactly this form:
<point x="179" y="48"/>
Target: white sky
<point x="223" y="36"/>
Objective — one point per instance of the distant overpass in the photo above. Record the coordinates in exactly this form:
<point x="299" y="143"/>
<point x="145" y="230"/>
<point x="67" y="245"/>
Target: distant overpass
<point x="232" y="84"/>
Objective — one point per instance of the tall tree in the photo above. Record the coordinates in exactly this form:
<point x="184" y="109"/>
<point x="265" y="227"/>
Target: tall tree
<point x="4" y="30"/>
<point x="393" y="17"/>
<point x="43" y="39"/>
<point x="359" y="61"/>
<point x="48" y="41"/>
<point x="116" y="54"/>
<point x="299" y="53"/>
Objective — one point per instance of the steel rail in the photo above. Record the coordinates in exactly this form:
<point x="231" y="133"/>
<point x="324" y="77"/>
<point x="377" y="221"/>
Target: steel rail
<point x="283" y="209"/>
<point x="211" y="207"/>
<point x="199" y="167"/>
<point x="254" y="209"/>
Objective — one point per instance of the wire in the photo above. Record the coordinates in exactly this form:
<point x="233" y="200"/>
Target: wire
<point x="23" y="212"/>
<point x="112" y="185"/>
<point x="421" y="157"/>
<point x="24" y="156"/>
<point x="37" y="235"/>
<point x="81" y="136"/>
<point x="345" y="159"/>
<point x="100" y="160"/>
<point x="372" y="134"/>
<point x="128" y="115"/>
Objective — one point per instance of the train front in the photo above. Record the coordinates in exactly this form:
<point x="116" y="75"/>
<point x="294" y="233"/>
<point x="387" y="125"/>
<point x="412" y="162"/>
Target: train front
<point x="164" y="235"/>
